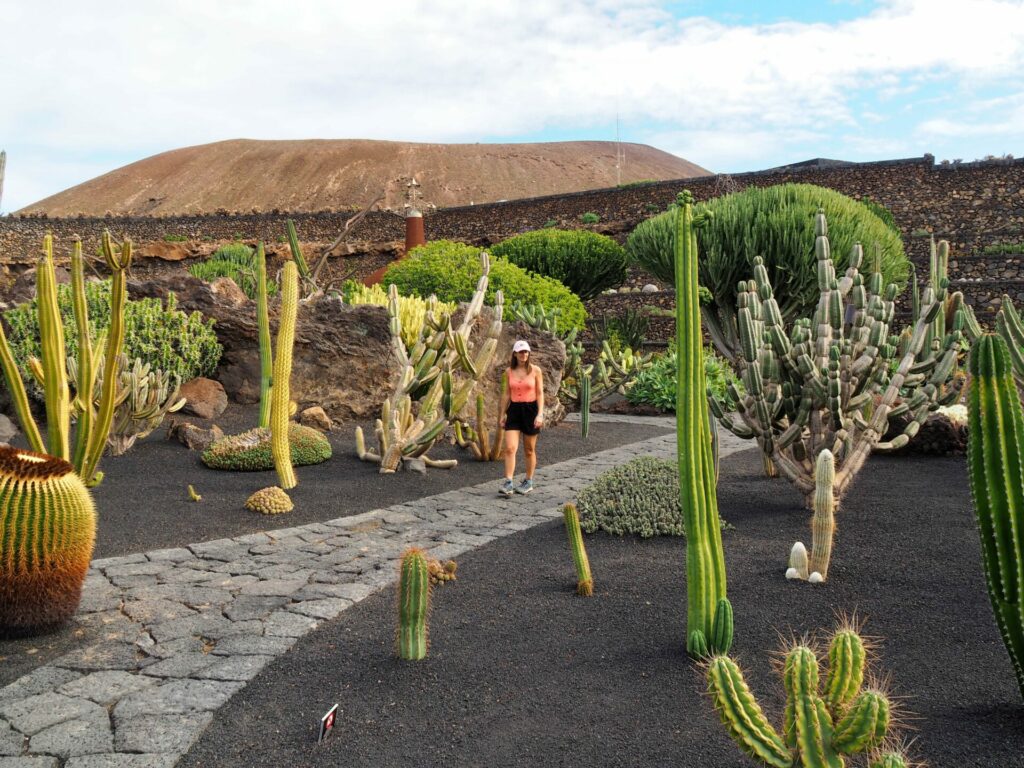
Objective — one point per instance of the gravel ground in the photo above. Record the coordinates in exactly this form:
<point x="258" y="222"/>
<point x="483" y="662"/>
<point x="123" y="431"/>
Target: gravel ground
<point x="522" y="672"/>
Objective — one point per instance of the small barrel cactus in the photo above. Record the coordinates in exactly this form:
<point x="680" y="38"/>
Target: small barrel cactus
<point x="413" y="605"/>
<point x="47" y="531"/>
<point x="270" y="501"/>
<point x="584" y="581"/>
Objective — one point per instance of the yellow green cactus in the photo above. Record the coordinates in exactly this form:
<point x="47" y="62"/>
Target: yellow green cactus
<point x="269" y="501"/>
<point x="280" y="392"/>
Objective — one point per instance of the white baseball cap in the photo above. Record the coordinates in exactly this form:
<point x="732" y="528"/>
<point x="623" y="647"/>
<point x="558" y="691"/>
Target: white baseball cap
<point x="521" y="346"/>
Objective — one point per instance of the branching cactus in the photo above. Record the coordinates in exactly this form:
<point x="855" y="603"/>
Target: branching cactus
<point x="833" y="382"/>
<point x="1010" y="326"/>
<point x="413" y="605"/>
<point x="440" y="373"/>
<point x="281" y="392"/>
<point x="824" y="722"/>
<point x="478" y="440"/>
<point x="995" y="453"/>
<point x="584" y="581"/>
<point x="823" y="527"/>
<point x="708" y="614"/>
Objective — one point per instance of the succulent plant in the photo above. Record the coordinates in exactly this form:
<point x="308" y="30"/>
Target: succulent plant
<point x="413" y="605"/>
<point x="280" y="394"/>
<point x="47" y="531"/>
<point x="412" y="310"/>
<point x="584" y="580"/>
<point x="193" y="495"/>
<point x="269" y="501"/>
<point x="442" y="573"/>
<point x="823" y="526"/>
<point x="995" y="451"/>
<point x="250" y="451"/>
<point x="478" y="440"/>
<point x="263" y="329"/>
<point x="639" y="497"/>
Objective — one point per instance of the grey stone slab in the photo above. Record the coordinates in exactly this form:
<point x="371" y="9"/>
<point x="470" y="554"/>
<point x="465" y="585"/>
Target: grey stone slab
<point x="11" y="742"/>
<point x="94" y="602"/>
<point x="113" y="562"/>
<point x="252" y="539"/>
<point x="292" y="570"/>
<point x="135" y="569"/>
<point x="284" y="533"/>
<point x="164" y="733"/>
<point x="39" y="680"/>
<point x="460" y="537"/>
<point x="274" y="587"/>
<point x="232" y="628"/>
<point x="339" y="556"/>
<point x="185" y="575"/>
<point x="174" y="555"/>
<point x="219" y="549"/>
<point x="355" y="521"/>
<point x="182" y="665"/>
<point x="192" y="596"/>
<point x="174" y="647"/>
<point x="123" y="760"/>
<point x="328" y="608"/>
<point x="152" y="612"/>
<point x="82" y="736"/>
<point x="196" y="625"/>
<point x="379" y="578"/>
<point x="29" y="762"/>
<point x="246" y="607"/>
<point x="241" y="668"/>
<point x="446" y="551"/>
<point x="231" y="582"/>
<point x="175" y="697"/>
<point x="244" y="645"/>
<point x="106" y="687"/>
<point x="287" y="624"/>
<point x="36" y="713"/>
<point x="320" y="591"/>
<point x="106" y="655"/>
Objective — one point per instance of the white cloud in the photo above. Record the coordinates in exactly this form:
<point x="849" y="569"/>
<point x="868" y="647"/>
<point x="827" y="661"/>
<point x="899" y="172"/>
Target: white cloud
<point x="141" y="77"/>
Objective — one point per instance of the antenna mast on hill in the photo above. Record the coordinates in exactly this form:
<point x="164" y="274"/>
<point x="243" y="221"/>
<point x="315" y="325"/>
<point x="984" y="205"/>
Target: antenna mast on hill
<point x="3" y="165"/>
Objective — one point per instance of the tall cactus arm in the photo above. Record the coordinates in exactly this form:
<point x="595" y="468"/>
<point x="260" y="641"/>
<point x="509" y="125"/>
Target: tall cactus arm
<point x="54" y="365"/>
<point x="742" y="715"/>
<point x="86" y="376"/>
<point x="263" y="326"/>
<point x="1010" y="326"/>
<point x="19" y="396"/>
<point x="282" y="375"/>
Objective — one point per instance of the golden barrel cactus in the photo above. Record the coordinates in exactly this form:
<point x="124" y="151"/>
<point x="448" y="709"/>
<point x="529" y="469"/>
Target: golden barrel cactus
<point x="47" y="532"/>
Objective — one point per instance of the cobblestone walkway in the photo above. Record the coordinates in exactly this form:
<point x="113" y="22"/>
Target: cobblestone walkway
<point x="184" y="629"/>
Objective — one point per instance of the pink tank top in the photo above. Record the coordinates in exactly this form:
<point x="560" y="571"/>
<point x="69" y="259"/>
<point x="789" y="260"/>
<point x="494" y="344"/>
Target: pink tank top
<point x="523" y="391"/>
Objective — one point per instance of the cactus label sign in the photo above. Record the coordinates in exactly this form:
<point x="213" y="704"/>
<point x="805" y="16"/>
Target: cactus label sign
<point x="327" y="723"/>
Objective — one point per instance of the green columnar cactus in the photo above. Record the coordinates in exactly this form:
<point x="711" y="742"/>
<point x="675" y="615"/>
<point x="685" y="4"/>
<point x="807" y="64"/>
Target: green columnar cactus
<point x="413" y="605"/>
<point x="309" y="284"/>
<point x="477" y="440"/>
<point x="820" y="727"/>
<point x="708" y="614"/>
<point x="585" y="406"/>
<point x="54" y="369"/>
<point x="611" y="372"/>
<point x="833" y="382"/>
<point x="995" y="452"/>
<point x="47" y="530"/>
<point x="584" y="581"/>
<point x="263" y="324"/>
<point x="715" y="447"/>
<point x="823" y="526"/>
<point x="1011" y="328"/>
<point x="281" y="393"/>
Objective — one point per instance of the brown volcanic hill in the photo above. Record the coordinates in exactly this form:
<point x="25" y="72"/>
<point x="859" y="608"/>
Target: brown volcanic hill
<point x="323" y="174"/>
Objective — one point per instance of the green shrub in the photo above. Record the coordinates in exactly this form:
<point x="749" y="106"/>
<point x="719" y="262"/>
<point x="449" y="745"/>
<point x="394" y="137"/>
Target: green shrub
<point x="776" y="223"/>
<point x="590" y="218"/>
<point x="177" y="343"/>
<point x="175" y="238"/>
<point x="237" y="261"/>
<point x="881" y="212"/>
<point x="585" y="262"/>
<point x="549" y="224"/>
<point x="626" y="330"/>
<point x="640" y="496"/>
<point x="451" y="270"/>
<point x="1003" y="248"/>
<point x="638" y="183"/>
<point x="656" y="385"/>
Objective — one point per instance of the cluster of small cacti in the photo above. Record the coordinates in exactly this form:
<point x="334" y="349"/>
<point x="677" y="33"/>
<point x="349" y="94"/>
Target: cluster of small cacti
<point x="412" y="310"/>
<point x="441" y="573"/>
<point x="835" y="380"/>
<point x="995" y="452"/>
<point x="479" y="440"/>
<point x="251" y="450"/>
<point x="612" y="372"/>
<point x="47" y="530"/>
<point x="236" y="261"/>
<point x="584" y="579"/>
<point x="439" y="371"/>
<point x="269" y="501"/>
<point x="639" y="497"/>
<point x="823" y="724"/>
<point x="709" y="622"/>
<point x="537" y="316"/>
<point x="413" y="605"/>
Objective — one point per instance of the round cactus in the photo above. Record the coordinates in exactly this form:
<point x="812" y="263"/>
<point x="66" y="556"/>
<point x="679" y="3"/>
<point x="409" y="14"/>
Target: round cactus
<point x="269" y="501"/>
<point x="47" y="531"/>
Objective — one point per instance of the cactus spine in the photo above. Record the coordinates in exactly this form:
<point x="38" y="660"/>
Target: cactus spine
<point x="705" y="562"/>
<point x="823" y="526"/>
<point x="584" y="581"/>
<point x="280" y="394"/>
<point x="995" y="453"/>
<point x="820" y="728"/>
<point x="413" y="605"/>
<point x="263" y="325"/>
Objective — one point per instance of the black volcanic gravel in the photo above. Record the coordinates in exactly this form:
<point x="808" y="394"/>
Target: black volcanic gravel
<point x="521" y="672"/>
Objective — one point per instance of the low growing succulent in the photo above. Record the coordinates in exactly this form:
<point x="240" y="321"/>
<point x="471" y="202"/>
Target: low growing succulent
<point x="251" y="452"/>
<point x="270" y="501"/>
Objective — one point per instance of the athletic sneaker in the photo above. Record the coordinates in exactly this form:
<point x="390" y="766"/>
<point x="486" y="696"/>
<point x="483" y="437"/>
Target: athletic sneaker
<point x="506" y="489"/>
<point x="525" y="487"/>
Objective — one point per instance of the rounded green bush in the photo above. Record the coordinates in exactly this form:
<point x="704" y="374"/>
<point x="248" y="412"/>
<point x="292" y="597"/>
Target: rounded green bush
<point x="640" y="496"/>
<point x="451" y="270"/>
<point x="656" y="385"/>
<point x="175" y="342"/>
<point x="585" y="262"/>
<point x="776" y="223"/>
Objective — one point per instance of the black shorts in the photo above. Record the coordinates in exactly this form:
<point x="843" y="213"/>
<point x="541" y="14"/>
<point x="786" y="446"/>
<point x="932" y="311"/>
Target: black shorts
<point x="519" y="418"/>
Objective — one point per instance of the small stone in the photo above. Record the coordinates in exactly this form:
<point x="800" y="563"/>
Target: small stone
<point x="650" y="288"/>
<point x="194" y="437"/>
<point x="204" y="398"/>
<point x="41" y="680"/>
<point x="316" y="418"/>
<point x="11" y="742"/>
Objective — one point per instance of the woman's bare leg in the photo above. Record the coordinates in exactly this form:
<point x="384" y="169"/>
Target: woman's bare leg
<point x="511" y="446"/>
<point x="530" y="449"/>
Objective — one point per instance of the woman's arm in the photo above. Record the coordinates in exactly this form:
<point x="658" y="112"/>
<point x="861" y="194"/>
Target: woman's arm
<point x="540" y="398"/>
<point x="506" y="398"/>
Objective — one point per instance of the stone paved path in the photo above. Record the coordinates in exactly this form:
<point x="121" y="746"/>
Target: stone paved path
<point x="185" y="629"/>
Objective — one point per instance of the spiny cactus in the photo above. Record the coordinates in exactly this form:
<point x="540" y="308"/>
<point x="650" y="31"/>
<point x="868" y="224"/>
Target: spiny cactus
<point x="250" y="451"/>
<point x="584" y="581"/>
<point x="995" y="451"/>
<point x="441" y="573"/>
<point x="47" y="530"/>
<point x="263" y="326"/>
<point x="833" y="382"/>
<point x="823" y="526"/>
<point x="708" y="613"/>
<point x="269" y="501"/>
<point x="611" y="372"/>
<point x="439" y="371"/>
<point x="585" y="406"/>
<point x="824" y="720"/>
<point x="413" y="605"/>
<point x="477" y="440"/>
<point x="281" y="393"/>
<point x="1010" y="326"/>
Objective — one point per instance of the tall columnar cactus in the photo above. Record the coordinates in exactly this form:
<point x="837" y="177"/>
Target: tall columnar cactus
<point x="47" y="530"/>
<point x="823" y="526"/>
<point x="584" y="581"/>
<point x="822" y="723"/>
<point x="478" y="440"/>
<point x="1011" y="328"/>
<point x="585" y="406"/>
<point x="995" y="452"/>
<point x="833" y="382"/>
<point x="263" y="326"/>
<point x="708" y="614"/>
<point x="413" y="605"/>
<point x="281" y="392"/>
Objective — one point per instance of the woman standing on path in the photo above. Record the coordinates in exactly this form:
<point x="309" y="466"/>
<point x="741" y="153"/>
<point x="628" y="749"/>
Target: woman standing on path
<point x="522" y="411"/>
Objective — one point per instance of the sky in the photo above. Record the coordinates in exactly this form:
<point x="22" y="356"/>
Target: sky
<point x="86" y="86"/>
